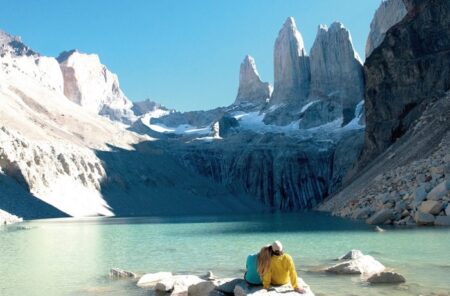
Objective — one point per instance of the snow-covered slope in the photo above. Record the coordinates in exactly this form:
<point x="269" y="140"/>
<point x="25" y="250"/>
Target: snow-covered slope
<point x="60" y="158"/>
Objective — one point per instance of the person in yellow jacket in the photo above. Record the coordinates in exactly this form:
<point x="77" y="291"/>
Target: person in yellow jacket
<point x="282" y="270"/>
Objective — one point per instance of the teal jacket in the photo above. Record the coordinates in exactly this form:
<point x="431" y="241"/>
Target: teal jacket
<point x="252" y="275"/>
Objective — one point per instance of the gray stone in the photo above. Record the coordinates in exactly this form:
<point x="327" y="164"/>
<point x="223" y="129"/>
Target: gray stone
<point x="447" y="210"/>
<point x="120" y="273"/>
<point x="251" y="88"/>
<point x="291" y="66"/>
<point x="386" y="277"/>
<point x="442" y="221"/>
<point x="388" y="14"/>
<point x="363" y="213"/>
<point x="423" y="218"/>
<point x="439" y="191"/>
<point x="336" y="69"/>
<point x="165" y="285"/>
<point x="227" y="285"/>
<point x="320" y="112"/>
<point x="381" y="216"/>
<point x="287" y="290"/>
<point x="419" y="194"/>
<point x="431" y="207"/>
<point x="203" y="288"/>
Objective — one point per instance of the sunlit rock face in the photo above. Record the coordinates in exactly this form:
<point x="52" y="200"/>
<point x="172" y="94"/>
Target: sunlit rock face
<point x="91" y="85"/>
<point x="388" y="14"/>
<point x="251" y="88"/>
<point x="336" y="69"/>
<point x="291" y="66"/>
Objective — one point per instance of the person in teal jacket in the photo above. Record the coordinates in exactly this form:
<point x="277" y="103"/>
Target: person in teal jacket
<point x="257" y="265"/>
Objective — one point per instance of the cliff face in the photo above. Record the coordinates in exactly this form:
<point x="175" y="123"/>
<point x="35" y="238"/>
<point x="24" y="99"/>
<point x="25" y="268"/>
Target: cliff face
<point x="409" y="68"/>
<point x="403" y="174"/>
<point x="91" y="85"/>
<point x="336" y="69"/>
<point x="284" y="173"/>
<point x="388" y="14"/>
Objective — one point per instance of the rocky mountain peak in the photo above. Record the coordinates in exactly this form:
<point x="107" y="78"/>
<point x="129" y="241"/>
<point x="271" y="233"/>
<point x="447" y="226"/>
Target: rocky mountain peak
<point x="90" y="84"/>
<point x="388" y="14"/>
<point x="251" y="88"/>
<point x="336" y="69"/>
<point x="13" y="45"/>
<point x="291" y="66"/>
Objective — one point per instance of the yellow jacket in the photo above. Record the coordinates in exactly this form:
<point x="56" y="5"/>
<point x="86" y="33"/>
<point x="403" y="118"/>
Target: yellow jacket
<point x="281" y="271"/>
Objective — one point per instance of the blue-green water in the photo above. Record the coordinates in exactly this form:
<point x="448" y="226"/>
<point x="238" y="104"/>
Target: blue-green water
<point x="73" y="257"/>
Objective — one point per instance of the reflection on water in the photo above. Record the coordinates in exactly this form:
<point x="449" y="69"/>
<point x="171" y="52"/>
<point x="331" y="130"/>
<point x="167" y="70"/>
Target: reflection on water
<point x="73" y="257"/>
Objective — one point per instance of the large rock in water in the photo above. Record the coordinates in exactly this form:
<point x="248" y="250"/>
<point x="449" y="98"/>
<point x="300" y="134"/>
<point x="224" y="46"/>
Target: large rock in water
<point x="388" y="14"/>
<point x="409" y="69"/>
<point x="90" y="84"/>
<point x="151" y="279"/>
<point x="386" y="277"/>
<point x="291" y="66"/>
<point x="251" y="88"/>
<point x="355" y="262"/>
<point x="336" y="69"/>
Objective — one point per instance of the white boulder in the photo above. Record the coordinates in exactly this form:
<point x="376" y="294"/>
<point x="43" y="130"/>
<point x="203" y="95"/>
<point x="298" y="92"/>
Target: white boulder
<point x="151" y="279"/>
<point x="357" y="264"/>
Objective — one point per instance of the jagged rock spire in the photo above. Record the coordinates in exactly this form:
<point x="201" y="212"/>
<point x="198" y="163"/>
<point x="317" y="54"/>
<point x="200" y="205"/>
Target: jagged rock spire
<point x="291" y="66"/>
<point x="251" y="88"/>
<point x="336" y="69"/>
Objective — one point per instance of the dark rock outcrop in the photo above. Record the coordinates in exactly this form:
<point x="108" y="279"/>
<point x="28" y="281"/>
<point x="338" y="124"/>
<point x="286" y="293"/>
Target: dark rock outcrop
<point x="408" y="69"/>
<point x="388" y="14"/>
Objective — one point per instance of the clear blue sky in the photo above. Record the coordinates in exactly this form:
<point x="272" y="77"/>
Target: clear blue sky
<point x="183" y="54"/>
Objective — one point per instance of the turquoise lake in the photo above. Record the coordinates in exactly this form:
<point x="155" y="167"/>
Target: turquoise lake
<point x="73" y="257"/>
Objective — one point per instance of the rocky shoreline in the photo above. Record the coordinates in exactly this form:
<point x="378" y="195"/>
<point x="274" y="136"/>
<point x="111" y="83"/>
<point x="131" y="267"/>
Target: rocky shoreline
<point x="166" y="283"/>
<point x="414" y="194"/>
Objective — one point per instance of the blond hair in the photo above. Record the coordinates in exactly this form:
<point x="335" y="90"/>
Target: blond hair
<point x="263" y="260"/>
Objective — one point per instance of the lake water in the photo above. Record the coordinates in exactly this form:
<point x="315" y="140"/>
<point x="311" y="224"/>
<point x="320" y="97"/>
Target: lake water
<point x="73" y="257"/>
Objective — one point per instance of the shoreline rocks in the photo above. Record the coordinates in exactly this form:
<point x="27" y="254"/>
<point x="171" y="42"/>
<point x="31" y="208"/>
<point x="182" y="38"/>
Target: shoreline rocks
<point x="192" y="285"/>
